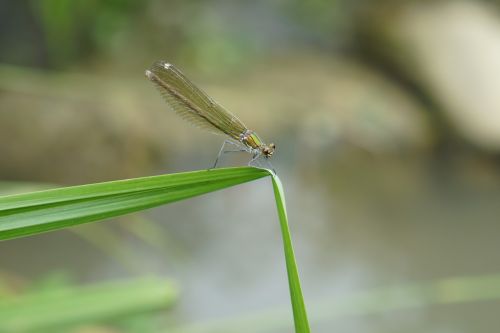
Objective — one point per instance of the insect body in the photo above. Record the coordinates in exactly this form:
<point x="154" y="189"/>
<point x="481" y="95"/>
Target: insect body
<point x="194" y="105"/>
<point x="251" y="140"/>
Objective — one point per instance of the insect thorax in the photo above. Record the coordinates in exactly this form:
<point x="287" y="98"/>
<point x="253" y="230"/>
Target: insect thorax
<point x="250" y="139"/>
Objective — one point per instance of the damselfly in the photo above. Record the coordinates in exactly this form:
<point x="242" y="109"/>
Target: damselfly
<point x="194" y="105"/>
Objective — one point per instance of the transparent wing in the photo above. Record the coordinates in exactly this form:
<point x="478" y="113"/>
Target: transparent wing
<point x="191" y="103"/>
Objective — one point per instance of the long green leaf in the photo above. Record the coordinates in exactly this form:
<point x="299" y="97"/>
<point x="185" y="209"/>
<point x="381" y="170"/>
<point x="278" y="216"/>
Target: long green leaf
<point x="298" y="306"/>
<point x="48" y="310"/>
<point x="37" y="212"/>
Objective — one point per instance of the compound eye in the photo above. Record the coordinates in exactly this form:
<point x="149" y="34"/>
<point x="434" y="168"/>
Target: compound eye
<point x="272" y="145"/>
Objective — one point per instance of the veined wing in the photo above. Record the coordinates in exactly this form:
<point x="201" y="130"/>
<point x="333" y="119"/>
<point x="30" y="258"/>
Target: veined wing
<point x="191" y="103"/>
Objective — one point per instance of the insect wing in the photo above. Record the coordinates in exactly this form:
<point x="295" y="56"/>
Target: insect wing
<point x="191" y="103"/>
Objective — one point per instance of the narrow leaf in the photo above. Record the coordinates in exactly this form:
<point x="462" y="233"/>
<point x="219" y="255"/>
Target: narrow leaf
<point x="37" y="212"/>
<point x="298" y="306"/>
<point x="55" y="308"/>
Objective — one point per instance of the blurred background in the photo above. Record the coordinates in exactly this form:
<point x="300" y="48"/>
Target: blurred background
<point x="386" y="118"/>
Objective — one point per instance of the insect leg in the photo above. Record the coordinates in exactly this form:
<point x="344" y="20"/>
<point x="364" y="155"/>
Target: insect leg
<point x="234" y="151"/>
<point x="270" y="165"/>
<point x="222" y="151"/>
<point x="254" y="160"/>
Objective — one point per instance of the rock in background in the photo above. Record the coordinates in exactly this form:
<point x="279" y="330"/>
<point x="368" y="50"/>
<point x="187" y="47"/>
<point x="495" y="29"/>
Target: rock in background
<point x="451" y="51"/>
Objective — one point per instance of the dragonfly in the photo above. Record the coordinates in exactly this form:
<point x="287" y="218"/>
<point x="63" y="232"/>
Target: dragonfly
<point x="195" y="106"/>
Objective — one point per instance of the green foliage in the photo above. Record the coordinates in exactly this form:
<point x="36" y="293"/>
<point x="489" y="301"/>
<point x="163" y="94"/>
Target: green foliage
<point x="74" y="28"/>
<point x="37" y="212"/>
<point x="48" y="309"/>
<point x="299" y="309"/>
<point x="33" y="213"/>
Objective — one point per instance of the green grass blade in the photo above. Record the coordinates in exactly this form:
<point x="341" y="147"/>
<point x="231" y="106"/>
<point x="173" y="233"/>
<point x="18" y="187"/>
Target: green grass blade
<point x="60" y="307"/>
<point x="33" y="213"/>
<point x="37" y="212"/>
<point x="298" y="306"/>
